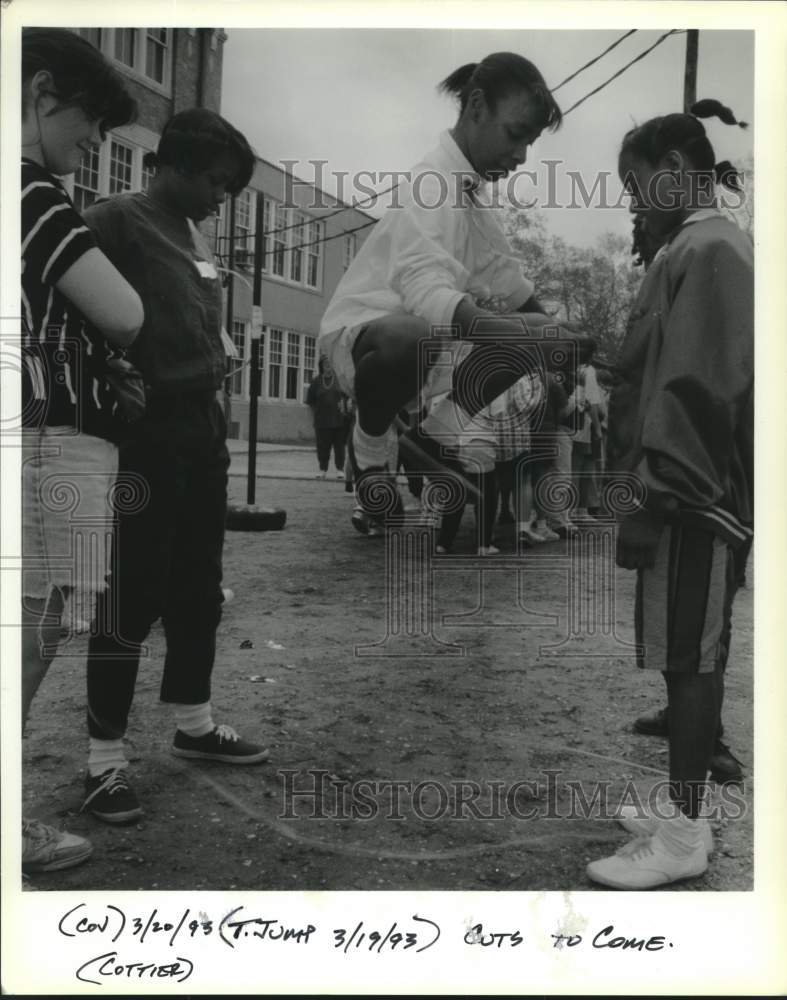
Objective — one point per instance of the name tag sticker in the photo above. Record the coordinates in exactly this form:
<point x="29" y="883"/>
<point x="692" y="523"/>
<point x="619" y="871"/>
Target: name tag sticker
<point x="206" y="269"/>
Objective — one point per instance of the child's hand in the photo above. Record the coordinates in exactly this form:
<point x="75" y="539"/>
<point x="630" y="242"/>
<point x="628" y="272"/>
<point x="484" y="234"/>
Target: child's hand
<point x="638" y="539"/>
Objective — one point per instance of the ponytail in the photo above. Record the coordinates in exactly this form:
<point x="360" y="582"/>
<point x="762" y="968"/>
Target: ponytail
<point x="715" y="109"/>
<point x="497" y="76"/>
<point x="457" y="81"/>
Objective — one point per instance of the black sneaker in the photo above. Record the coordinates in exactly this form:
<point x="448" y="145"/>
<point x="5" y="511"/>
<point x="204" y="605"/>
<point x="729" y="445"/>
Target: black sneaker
<point x="222" y="743"/>
<point x="657" y="724"/>
<point x="653" y="723"/>
<point x="725" y="769"/>
<point x="110" y="797"/>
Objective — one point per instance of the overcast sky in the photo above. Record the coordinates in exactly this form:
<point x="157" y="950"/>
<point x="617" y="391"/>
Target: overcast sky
<point x="366" y="99"/>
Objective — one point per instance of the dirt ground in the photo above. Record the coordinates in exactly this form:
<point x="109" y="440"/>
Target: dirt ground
<point x="288" y="674"/>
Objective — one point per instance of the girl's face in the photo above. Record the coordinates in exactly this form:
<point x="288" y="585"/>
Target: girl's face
<point x="498" y="140"/>
<point x="56" y="135"/>
<point x="199" y="195"/>
<point x="656" y="192"/>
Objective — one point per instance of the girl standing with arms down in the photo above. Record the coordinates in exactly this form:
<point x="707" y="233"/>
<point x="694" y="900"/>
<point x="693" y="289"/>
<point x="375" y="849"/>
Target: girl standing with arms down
<point x="682" y="419"/>
<point x="78" y="313"/>
<point x="168" y="553"/>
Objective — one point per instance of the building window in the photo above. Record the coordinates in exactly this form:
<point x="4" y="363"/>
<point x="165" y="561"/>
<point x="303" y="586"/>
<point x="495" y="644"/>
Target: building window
<point x="280" y="240"/>
<point x="274" y="364"/>
<point x="296" y="256"/>
<point x="156" y="54"/>
<point x="348" y="250"/>
<point x="86" y="188"/>
<point x="146" y="176"/>
<point x="125" y="45"/>
<point x="121" y="158"/>
<point x="309" y="362"/>
<point x="266" y="237"/>
<point x="244" y="244"/>
<point x="314" y="254"/>
<point x="238" y="364"/>
<point x="293" y="365"/>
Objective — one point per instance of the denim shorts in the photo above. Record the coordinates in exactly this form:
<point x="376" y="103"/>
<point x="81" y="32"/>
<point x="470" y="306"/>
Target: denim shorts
<point x="68" y="480"/>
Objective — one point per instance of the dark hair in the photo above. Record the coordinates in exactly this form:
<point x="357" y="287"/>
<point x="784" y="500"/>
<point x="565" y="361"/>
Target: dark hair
<point x="644" y="246"/>
<point x="497" y="76"/>
<point x="686" y="134"/>
<point x="586" y="348"/>
<point x="80" y="74"/>
<point x="191" y="141"/>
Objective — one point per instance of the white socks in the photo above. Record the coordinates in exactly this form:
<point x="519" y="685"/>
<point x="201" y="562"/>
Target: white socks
<point x="194" y="720"/>
<point x="371" y="450"/>
<point x="681" y="834"/>
<point x="446" y="422"/>
<point x="105" y="755"/>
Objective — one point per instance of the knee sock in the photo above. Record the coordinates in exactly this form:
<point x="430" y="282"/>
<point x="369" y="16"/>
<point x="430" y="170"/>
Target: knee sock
<point x="693" y="702"/>
<point x="194" y="720"/>
<point x="105" y="755"/>
<point x="371" y="450"/>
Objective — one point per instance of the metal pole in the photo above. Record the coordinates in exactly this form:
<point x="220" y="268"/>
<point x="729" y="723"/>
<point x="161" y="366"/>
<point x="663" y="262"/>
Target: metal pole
<point x="690" y="77"/>
<point x="254" y="386"/>
<point x="230" y="308"/>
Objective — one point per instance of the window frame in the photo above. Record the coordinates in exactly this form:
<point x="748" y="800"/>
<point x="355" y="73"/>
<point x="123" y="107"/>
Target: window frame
<point x="137" y="68"/>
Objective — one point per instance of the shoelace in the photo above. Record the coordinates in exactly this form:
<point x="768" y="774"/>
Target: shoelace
<point x="637" y="848"/>
<point x="116" y="781"/>
<point x="225" y="732"/>
<point x="37" y="831"/>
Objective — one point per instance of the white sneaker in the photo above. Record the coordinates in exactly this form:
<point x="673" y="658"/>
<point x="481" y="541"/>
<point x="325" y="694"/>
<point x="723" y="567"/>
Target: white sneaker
<point x="645" y="824"/>
<point x="648" y="862"/>
<point x="546" y="532"/>
<point x="488" y="550"/>
<point x="45" y="849"/>
<point x="530" y="534"/>
<point x="339" y="475"/>
<point x="321" y="475"/>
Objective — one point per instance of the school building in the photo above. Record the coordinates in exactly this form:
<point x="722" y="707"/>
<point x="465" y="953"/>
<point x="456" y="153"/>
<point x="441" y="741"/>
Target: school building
<point x="310" y="238"/>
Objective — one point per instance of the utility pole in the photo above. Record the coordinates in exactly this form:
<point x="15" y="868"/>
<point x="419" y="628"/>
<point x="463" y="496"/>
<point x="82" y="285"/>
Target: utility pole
<point x="690" y="77"/>
<point x="230" y="309"/>
<point x="256" y="333"/>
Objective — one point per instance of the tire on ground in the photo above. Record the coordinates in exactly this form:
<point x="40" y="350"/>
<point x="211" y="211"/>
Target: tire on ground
<point x="250" y="517"/>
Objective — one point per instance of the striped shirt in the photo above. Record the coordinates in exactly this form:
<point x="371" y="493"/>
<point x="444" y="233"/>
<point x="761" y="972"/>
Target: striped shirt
<point x="62" y="356"/>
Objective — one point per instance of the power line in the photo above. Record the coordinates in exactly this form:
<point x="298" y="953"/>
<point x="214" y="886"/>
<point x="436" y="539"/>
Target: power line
<point x="614" y="76"/>
<point x="622" y="38"/>
<point x="344" y="208"/>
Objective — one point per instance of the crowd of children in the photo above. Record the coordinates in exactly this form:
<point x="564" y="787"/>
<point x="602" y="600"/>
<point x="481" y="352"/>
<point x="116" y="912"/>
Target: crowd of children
<point x="123" y="357"/>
